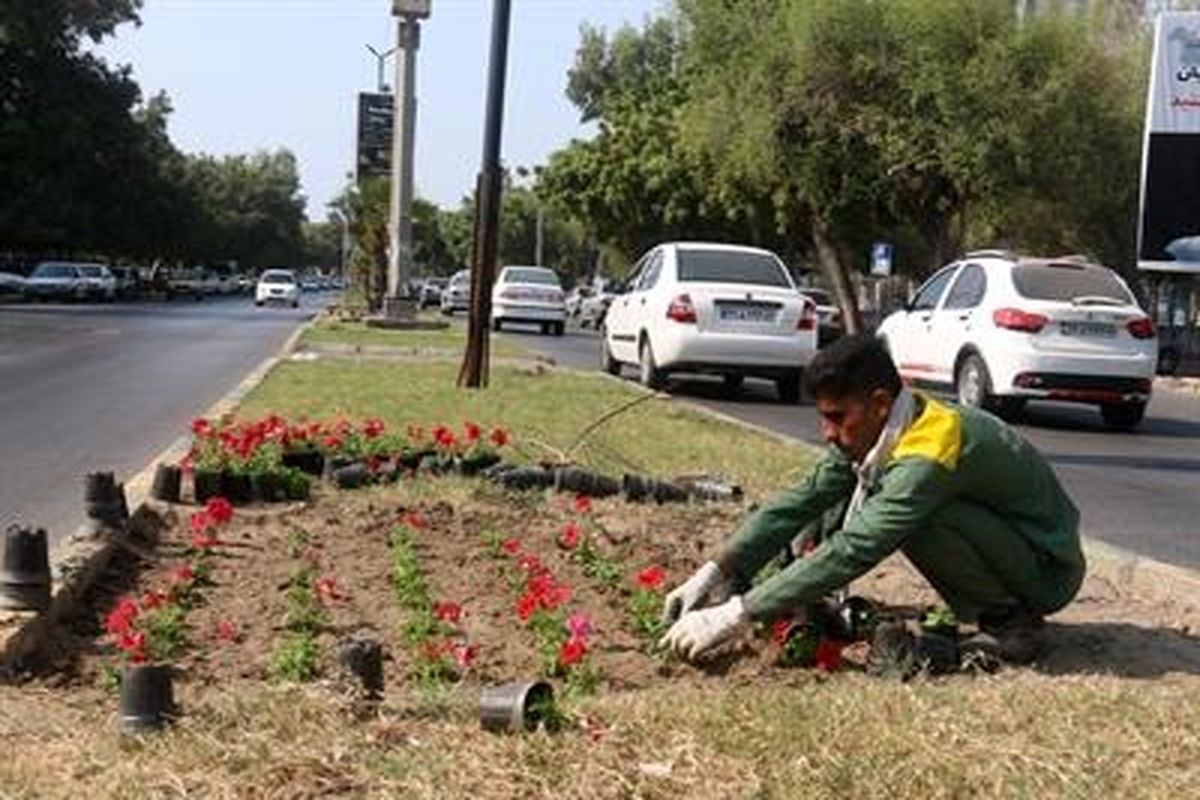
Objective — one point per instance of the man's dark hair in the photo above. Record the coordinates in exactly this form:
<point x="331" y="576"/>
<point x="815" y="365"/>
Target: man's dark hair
<point x="853" y="366"/>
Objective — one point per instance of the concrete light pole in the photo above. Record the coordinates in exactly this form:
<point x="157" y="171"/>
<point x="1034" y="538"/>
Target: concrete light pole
<point x="408" y="13"/>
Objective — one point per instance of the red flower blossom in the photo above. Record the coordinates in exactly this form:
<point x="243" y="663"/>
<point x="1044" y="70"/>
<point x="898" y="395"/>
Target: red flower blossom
<point x="373" y="464"/>
<point x="579" y="626"/>
<point x="134" y="646"/>
<point x="327" y="590"/>
<point x="569" y="538"/>
<point x="152" y="600"/>
<point x="200" y="521"/>
<point x="201" y="428"/>
<point x="571" y="652"/>
<point x="779" y="631"/>
<point x="829" y="655"/>
<point x="332" y="442"/>
<point x="373" y="428"/>
<point x="471" y="432"/>
<point x="414" y="520"/>
<point x="499" y="437"/>
<point x="120" y="619"/>
<point x="219" y="510"/>
<point x="226" y="631"/>
<point x="526" y="605"/>
<point x="651" y="578"/>
<point x="447" y="612"/>
<point x="443" y="437"/>
<point x="583" y="504"/>
<point x="464" y="654"/>
<point x="511" y="546"/>
<point x="182" y="574"/>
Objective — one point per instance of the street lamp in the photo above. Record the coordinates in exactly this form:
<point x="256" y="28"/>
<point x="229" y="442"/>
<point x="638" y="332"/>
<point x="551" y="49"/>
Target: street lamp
<point x="409" y="14"/>
<point x="380" y="58"/>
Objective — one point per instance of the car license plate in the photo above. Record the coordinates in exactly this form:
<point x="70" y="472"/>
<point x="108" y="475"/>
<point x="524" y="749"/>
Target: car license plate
<point x="728" y="312"/>
<point x="1100" y="329"/>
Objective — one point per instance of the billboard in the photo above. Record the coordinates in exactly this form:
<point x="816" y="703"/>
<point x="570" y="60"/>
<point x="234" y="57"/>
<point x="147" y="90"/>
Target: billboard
<point x="1169" y="228"/>
<point x="376" y="119"/>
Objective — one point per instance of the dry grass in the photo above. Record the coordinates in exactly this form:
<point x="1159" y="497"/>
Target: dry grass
<point x="1021" y="736"/>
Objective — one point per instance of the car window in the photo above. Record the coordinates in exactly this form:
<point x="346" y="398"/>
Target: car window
<point x="545" y="277"/>
<point x="968" y="289"/>
<point x="731" y="266"/>
<point x="54" y="271"/>
<point x="650" y="273"/>
<point x="91" y="272"/>
<point x="928" y="295"/>
<point x="1067" y="282"/>
<point x="278" y="277"/>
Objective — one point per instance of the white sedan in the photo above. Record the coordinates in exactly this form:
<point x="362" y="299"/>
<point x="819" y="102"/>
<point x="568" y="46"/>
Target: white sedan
<point x="277" y="286"/>
<point x="529" y="295"/>
<point x="1000" y="330"/>
<point x="711" y="308"/>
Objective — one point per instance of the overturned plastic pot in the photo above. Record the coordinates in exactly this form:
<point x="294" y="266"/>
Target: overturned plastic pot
<point x="25" y="570"/>
<point x="167" y="483"/>
<point x="474" y="465"/>
<point x="269" y="487"/>
<point x="525" y="478"/>
<point x="639" y="489"/>
<point x="351" y="476"/>
<point x="237" y="487"/>
<point x="412" y="459"/>
<point x="206" y="484"/>
<point x="517" y="707"/>
<point x="310" y="462"/>
<point x="582" y="481"/>
<point x="147" y="698"/>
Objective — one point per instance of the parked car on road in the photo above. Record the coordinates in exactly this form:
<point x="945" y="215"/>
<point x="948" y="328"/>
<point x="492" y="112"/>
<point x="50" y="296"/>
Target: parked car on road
<point x="575" y="300"/>
<point x="431" y="292"/>
<point x="98" y="282"/>
<point x="277" y="286"/>
<point x="457" y="295"/>
<point x="829" y="316"/>
<point x="56" y="280"/>
<point x="529" y="295"/>
<point x="715" y="309"/>
<point x="999" y="330"/>
<point x="593" y="309"/>
<point x="126" y="281"/>
<point x="11" y="284"/>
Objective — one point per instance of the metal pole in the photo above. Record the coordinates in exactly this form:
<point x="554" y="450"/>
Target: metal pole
<point x="396" y="304"/>
<point x="541" y="232"/>
<point x="487" y="207"/>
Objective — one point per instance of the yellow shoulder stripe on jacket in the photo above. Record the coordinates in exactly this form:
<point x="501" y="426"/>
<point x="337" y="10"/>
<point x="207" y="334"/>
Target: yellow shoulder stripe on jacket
<point x="935" y="435"/>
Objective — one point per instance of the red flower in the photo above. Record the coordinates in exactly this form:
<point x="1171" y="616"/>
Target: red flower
<point x="134" y="646"/>
<point x="120" y="619"/>
<point x="226" y="631"/>
<point x="219" y="510"/>
<point x="153" y="600"/>
<point x="414" y="520"/>
<point x="471" y="432"/>
<point x="579" y="626"/>
<point x="651" y="578"/>
<point x="583" y="504"/>
<point x="373" y="464"/>
<point x="526" y="605"/>
<point x="201" y="428"/>
<point x="182" y="574"/>
<point x="829" y="655"/>
<point x="464" y="655"/>
<point x="443" y="437"/>
<point x="203" y="541"/>
<point x="373" y="428"/>
<point x="201" y="521"/>
<point x="571" y="652"/>
<point x="569" y="538"/>
<point x="499" y="437"/>
<point x="530" y="564"/>
<point x="332" y="442"/>
<point x="447" y="612"/>
<point x="326" y="589"/>
<point x="779" y="631"/>
<point x="511" y="546"/>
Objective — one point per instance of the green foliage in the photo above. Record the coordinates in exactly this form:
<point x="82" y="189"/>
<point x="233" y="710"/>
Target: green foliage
<point x="166" y="632"/>
<point x="305" y="613"/>
<point x="295" y="659"/>
<point x="645" y="607"/>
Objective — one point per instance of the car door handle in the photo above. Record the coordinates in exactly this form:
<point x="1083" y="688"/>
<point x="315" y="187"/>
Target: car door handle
<point x="643" y="301"/>
<point x="925" y="317"/>
<point x="963" y="317"/>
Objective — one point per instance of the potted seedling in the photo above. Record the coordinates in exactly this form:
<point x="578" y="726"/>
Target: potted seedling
<point x="149" y="632"/>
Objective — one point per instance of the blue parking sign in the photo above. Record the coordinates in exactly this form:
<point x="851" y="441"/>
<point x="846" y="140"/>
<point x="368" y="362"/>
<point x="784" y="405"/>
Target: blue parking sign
<point x="881" y="259"/>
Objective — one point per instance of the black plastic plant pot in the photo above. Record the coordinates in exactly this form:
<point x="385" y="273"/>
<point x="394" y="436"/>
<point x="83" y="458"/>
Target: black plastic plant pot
<point x="310" y="462"/>
<point x="526" y="478"/>
<point x="517" y="707"/>
<point x="268" y="487"/>
<point x="351" y="476"/>
<point x="477" y="464"/>
<point x="637" y="488"/>
<point x="99" y="487"/>
<point x="25" y="570"/>
<point x="237" y="487"/>
<point x="206" y="484"/>
<point x="166" y="487"/>
<point x="581" y="481"/>
<point x="334" y="463"/>
<point x="147" y="699"/>
<point x="361" y="657"/>
<point x="412" y="459"/>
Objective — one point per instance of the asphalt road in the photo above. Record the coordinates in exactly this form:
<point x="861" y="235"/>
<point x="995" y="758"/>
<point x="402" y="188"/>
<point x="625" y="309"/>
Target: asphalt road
<point x="1139" y="491"/>
<point x="107" y="387"/>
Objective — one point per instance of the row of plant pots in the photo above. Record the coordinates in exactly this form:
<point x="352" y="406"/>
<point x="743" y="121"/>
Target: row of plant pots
<point x="240" y="488"/>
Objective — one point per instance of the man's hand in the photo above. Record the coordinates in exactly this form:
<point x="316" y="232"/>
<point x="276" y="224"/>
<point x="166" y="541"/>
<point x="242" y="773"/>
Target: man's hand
<point x="699" y="631"/>
<point x="691" y="593"/>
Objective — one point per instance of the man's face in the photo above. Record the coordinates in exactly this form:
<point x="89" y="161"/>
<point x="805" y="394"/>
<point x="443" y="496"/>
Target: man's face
<point x="852" y="423"/>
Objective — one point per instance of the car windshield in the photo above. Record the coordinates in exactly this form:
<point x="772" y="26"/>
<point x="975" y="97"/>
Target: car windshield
<point x="530" y="275"/>
<point x="438" y="282"/>
<point x="731" y="266"/>
<point x="461" y="279"/>
<point x="278" y="277"/>
<point x="1070" y="283"/>
<point x="53" y="271"/>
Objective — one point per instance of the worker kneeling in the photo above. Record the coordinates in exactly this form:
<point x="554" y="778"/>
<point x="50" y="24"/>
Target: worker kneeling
<point x="967" y="500"/>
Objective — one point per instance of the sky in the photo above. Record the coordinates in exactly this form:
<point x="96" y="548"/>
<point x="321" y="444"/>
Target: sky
<point x="245" y="75"/>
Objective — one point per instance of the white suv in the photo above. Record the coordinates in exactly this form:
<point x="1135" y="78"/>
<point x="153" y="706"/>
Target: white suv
<point x="277" y="286"/>
<point x="999" y="330"/>
<point x="711" y="308"/>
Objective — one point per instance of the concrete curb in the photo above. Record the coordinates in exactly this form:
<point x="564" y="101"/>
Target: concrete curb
<point x="1181" y="385"/>
<point x="79" y="560"/>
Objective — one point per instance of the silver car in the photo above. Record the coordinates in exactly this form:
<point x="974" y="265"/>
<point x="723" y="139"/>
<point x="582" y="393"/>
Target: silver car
<point x="55" y="280"/>
<point x="457" y="295"/>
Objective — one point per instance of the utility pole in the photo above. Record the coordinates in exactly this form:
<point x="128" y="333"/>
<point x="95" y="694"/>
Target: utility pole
<point x="474" y="370"/>
<point x="396" y="303"/>
<point x="541" y="236"/>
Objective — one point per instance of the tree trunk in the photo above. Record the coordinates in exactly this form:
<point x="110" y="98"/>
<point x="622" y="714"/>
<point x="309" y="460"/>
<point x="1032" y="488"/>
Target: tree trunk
<point x="838" y="276"/>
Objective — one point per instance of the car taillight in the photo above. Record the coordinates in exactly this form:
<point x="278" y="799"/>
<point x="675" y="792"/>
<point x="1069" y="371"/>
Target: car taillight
<point x="1141" y="328"/>
<point x="1015" y="319"/>
<point x="808" y="316"/>
<point x="681" y="309"/>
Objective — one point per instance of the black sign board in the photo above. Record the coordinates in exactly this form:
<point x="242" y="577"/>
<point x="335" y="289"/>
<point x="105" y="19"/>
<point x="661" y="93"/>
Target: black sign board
<point x="376" y="116"/>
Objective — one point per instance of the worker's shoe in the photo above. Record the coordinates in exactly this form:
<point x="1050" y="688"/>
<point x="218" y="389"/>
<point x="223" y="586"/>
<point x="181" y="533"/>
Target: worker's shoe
<point x="902" y="651"/>
<point x="1011" y="637"/>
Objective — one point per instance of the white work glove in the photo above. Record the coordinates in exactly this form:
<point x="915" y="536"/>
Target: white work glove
<point x="691" y="593"/>
<point x="700" y="631"/>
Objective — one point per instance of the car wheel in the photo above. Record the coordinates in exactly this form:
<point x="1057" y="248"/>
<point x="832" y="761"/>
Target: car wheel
<point x="258" y="303"/>
<point x="496" y="324"/>
<point x="560" y="328"/>
<point x="607" y="362"/>
<point x="788" y="387"/>
<point x="1123" y="416"/>
<point x="733" y="383"/>
<point x="972" y="383"/>
<point x="649" y="374"/>
<point x="295" y="304"/>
